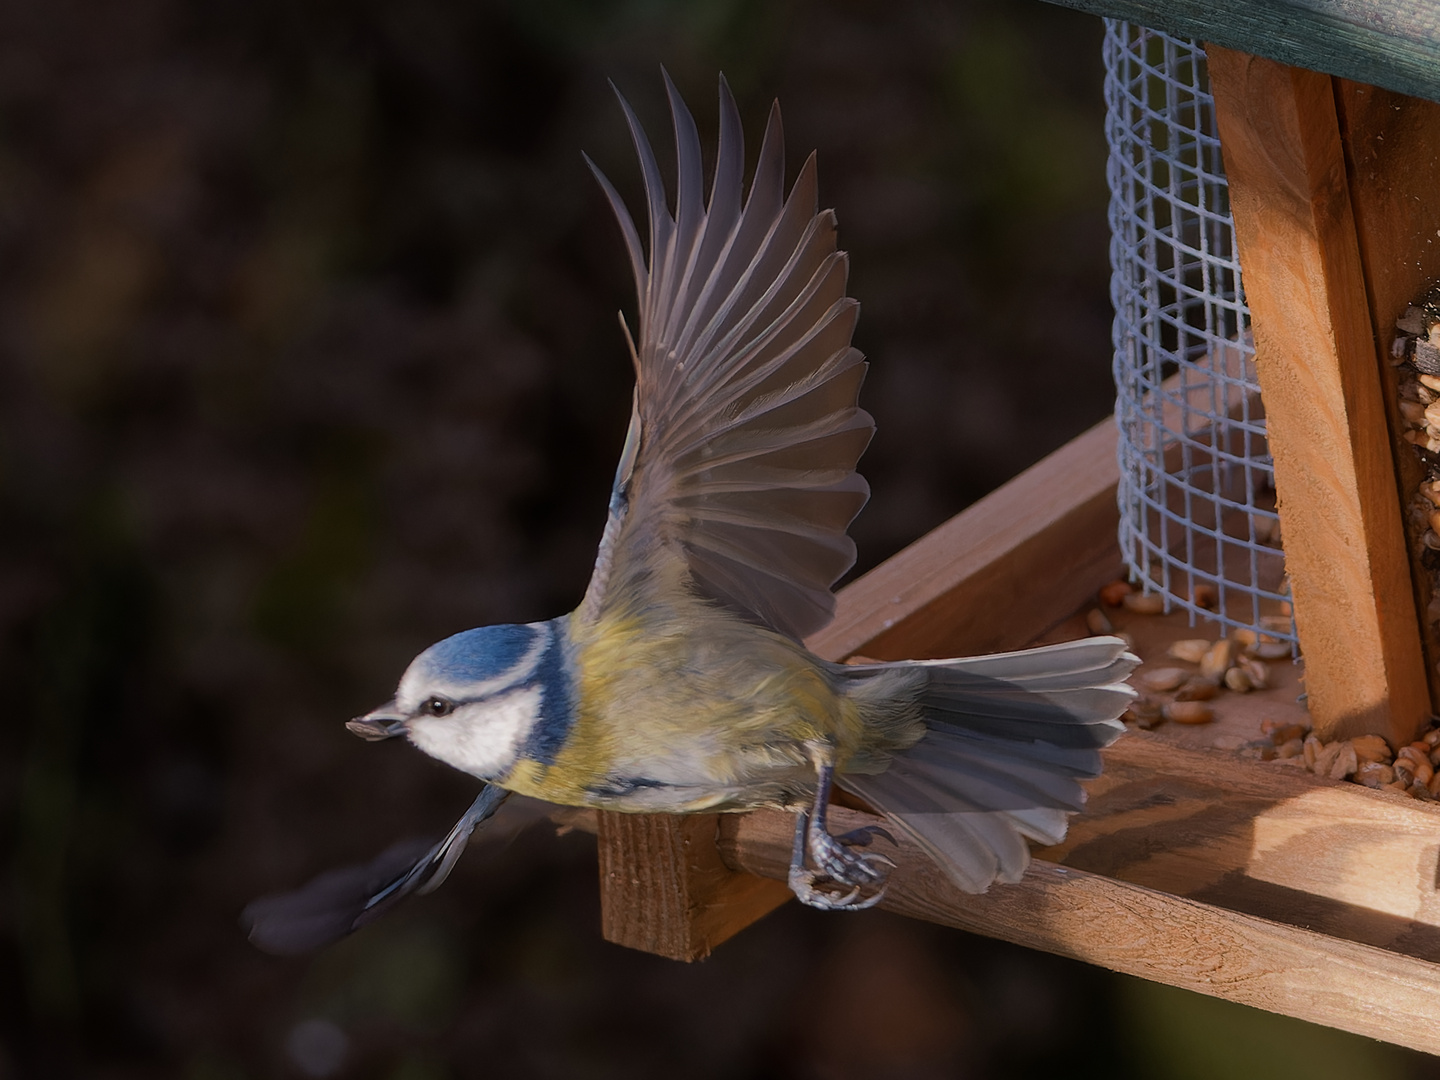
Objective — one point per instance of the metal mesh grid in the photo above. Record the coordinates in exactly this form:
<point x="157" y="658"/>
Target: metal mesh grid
<point x="1197" y="507"/>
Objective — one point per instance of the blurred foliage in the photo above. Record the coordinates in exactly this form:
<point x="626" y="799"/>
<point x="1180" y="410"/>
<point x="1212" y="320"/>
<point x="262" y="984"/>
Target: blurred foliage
<point x="308" y="357"/>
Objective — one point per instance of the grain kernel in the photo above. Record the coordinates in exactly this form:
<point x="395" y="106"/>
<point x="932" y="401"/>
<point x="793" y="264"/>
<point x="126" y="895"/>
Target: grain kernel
<point x="1259" y="672"/>
<point x="1144" y="603"/>
<point x="1113" y="595"/>
<point x="1293" y="748"/>
<point x="1283" y="733"/>
<point x="1371" y="748"/>
<point x="1205" y="595"/>
<point x="1373" y="774"/>
<point x="1162" y="679"/>
<point x="1196" y="689"/>
<point x="1188" y="712"/>
<point x="1191" y="650"/>
<point x="1238" y="679"/>
<point x="1311" y="751"/>
<point x="1098" y="623"/>
<point x="1216" y="661"/>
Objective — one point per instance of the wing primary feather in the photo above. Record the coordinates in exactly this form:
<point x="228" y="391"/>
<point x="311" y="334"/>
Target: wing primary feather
<point x="627" y="230"/>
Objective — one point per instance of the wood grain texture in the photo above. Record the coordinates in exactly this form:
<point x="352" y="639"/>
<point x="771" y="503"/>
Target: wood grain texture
<point x="1264" y="838"/>
<point x="1392" y="157"/>
<point x="1157" y="936"/>
<point x="1320" y="376"/>
<point x="665" y="890"/>
<point x="999" y="574"/>
<point x="1387" y="44"/>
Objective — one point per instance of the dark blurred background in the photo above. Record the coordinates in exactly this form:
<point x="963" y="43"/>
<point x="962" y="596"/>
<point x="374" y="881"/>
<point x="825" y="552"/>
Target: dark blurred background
<point x="308" y="357"/>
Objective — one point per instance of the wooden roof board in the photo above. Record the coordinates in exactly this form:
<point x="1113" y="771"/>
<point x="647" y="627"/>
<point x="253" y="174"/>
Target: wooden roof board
<point x="1396" y="46"/>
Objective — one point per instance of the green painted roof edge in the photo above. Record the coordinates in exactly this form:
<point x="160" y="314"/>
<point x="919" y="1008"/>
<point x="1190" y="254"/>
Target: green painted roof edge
<point x="1394" y="45"/>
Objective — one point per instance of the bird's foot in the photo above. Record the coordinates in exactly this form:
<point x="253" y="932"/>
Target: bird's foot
<point x="843" y="879"/>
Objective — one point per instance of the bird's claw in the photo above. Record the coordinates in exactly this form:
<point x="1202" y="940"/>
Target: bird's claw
<point x="840" y="872"/>
<point x="834" y="857"/>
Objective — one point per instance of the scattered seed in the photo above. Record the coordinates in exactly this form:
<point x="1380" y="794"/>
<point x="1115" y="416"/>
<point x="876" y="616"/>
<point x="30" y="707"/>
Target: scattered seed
<point x="1188" y="712"/>
<point x="1097" y="622"/>
<point x="1291" y="748"/>
<point x="1244" y="637"/>
<point x="1416" y="763"/>
<point x="1197" y="688"/>
<point x="1191" y="650"/>
<point x="1283" y="733"/>
<point x="1144" y="603"/>
<point x="1272" y="650"/>
<point x="1257" y="670"/>
<point x="1205" y="595"/>
<point x="1371" y="748"/>
<point x="1162" y="679"/>
<point x="1373" y="774"/>
<point x="1238" y="679"/>
<point x="1113" y="595"/>
<point x="1311" y="750"/>
<point x="1216" y="660"/>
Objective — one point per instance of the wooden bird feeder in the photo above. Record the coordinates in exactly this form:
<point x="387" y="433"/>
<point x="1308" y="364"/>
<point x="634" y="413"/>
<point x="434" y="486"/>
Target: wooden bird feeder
<point x="1195" y="865"/>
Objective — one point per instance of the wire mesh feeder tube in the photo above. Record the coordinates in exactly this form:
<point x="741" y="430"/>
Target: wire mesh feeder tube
<point x="1197" y="503"/>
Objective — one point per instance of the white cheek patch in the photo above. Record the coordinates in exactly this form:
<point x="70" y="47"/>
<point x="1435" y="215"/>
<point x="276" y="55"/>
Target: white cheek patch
<point x="483" y="738"/>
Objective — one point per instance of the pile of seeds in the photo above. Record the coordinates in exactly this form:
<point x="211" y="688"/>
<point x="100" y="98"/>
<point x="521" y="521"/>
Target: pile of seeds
<point x="1181" y="694"/>
<point x="1416" y="353"/>
<point x="1412" y="770"/>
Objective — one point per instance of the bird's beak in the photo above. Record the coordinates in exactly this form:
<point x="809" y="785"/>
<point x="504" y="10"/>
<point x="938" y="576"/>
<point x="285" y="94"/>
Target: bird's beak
<point x="378" y="724"/>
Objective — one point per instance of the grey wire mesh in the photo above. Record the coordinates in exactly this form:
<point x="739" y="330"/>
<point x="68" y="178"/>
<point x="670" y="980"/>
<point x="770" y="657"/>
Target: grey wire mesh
<point x="1197" y="506"/>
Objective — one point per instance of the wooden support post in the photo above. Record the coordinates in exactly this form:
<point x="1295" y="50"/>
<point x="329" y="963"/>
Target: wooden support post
<point x="1392" y="150"/>
<point x="1320" y="376"/>
<point x="664" y="888"/>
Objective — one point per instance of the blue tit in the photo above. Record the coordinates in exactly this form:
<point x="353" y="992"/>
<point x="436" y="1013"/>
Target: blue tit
<point x="681" y="682"/>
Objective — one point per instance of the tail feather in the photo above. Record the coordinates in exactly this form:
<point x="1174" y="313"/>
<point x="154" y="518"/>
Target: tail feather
<point x="1008" y="738"/>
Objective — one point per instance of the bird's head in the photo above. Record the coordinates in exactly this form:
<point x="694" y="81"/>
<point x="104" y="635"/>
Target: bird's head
<point x="476" y="700"/>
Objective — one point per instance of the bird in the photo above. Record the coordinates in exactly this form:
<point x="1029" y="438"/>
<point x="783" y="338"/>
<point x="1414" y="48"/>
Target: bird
<point x="681" y="682"/>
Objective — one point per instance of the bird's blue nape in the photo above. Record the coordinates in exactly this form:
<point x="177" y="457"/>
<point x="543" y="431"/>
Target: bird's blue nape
<point x="483" y="653"/>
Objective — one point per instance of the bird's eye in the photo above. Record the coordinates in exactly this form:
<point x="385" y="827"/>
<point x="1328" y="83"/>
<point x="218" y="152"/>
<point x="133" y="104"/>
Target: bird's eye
<point x="438" y="706"/>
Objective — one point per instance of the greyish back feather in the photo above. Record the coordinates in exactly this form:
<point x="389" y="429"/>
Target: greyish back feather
<point x="1008" y="738"/>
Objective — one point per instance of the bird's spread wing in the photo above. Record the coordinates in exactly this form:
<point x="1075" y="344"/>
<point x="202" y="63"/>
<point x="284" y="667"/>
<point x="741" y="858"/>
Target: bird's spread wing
<point x="745" y="431"/>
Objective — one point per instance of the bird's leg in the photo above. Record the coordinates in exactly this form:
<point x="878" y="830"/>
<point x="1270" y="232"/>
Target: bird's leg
<point x="833" y="857"/>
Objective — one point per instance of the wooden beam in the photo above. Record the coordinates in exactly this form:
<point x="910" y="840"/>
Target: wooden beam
<point x="1139" y="931"/>
<point x="1385" y="44"/>
<point x="665" y="890"/>
<point x="1392" y="157"/>
<point x="1324" y="397"/>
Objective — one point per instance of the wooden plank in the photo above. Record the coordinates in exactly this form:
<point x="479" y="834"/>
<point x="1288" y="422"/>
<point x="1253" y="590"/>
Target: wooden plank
<point x="1325" y="399"/>
<point x="665" y="890"/>
<point x="1140" y="931"/>
<point x="1392" y="157"/>
<point x="1385" y="44"/>
<point x="996" y="576"/>
<point x="1264" y="838"/>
